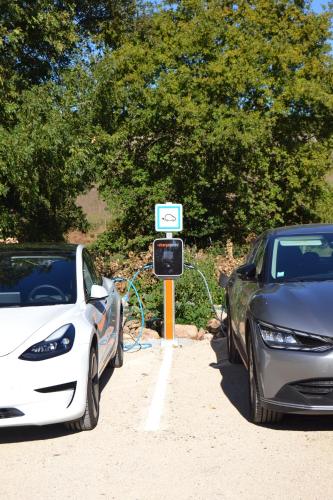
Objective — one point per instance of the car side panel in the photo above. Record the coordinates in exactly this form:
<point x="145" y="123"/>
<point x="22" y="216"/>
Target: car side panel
<point x="114" y="318"/>
<point x="99" y="313"/>
<point x="240" y="294"/>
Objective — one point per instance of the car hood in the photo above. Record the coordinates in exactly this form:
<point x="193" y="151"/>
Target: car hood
<point x="303" y="306"/>
<point x="17" y="324"/>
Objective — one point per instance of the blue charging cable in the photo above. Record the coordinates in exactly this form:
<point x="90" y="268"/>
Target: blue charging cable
<point x="136" y="345"/>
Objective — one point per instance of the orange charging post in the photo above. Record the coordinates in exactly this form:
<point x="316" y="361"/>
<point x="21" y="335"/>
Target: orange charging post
<point x="168" y="259"/>
<point x="169" y="309"/>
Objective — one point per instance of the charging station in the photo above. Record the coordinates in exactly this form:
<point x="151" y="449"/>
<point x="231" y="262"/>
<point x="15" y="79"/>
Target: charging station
<point x="168" y="258"/>
<point x="168" y="265"/>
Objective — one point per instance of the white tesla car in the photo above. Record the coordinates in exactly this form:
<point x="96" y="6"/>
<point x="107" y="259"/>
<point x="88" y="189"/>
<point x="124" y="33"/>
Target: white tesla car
<point x="61" y="325"/>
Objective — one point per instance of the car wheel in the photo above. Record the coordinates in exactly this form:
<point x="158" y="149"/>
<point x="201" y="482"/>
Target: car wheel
<point x="119" y="357"/>
<point x="89" y="419"/>
<point x="233" y="354"/>
<point x="258" y="414"/>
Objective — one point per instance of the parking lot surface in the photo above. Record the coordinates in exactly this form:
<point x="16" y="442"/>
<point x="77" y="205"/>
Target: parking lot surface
<point x="204" y="448"/>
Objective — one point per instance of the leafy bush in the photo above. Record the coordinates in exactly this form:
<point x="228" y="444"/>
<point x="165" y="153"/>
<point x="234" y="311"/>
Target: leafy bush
<point x="225" y="107"/>
<point x="192" y="304"/>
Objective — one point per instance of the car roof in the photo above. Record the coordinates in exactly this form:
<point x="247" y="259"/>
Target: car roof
<point x="298" y="230"/>
<point x="61" y="248"/>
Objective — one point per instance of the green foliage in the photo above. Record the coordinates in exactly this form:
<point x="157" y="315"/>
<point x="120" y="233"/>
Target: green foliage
<point x="192" y="304"/>
<point x="108" y="22"/>
<point x="46" y="147"/>
<point x="36" y="40"/>
<point x="41" y="37"/>
<point x="224" y="107"/>
<point x="44" y="163"/>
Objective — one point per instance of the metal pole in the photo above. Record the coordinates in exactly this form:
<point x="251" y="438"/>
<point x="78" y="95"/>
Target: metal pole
<point x="169" y="309"/>
<point x="169" y="306"/>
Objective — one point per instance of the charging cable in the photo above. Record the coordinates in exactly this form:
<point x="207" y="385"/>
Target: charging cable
<point x="136" y="345"/>
<point x="188" y="265"/>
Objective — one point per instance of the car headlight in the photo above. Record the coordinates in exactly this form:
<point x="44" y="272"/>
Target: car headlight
<point x="282" y="338"/>
<point x="59" y="342"/>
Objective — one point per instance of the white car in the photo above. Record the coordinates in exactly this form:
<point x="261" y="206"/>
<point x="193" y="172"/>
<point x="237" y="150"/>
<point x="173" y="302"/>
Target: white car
<point x="61" y="325"/>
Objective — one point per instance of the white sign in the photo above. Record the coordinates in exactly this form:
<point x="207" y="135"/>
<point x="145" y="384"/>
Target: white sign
<point x="169" y="217"/>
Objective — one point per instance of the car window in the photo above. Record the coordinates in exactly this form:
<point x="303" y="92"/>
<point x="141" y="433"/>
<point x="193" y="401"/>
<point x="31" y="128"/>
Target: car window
<point x="87" y="279"/>
<point x="29" y="278"/>
<point x="302" y="257"/>
<point x="90" y="275"/>
<point x="259" y="257"/>
<point x="252" y="253"/>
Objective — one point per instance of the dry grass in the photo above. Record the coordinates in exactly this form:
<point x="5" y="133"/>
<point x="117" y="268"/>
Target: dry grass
<point x="97" y="214"/>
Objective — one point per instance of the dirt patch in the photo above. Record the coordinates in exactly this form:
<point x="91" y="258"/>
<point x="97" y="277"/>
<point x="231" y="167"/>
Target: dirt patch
<point x="97" y="214"/>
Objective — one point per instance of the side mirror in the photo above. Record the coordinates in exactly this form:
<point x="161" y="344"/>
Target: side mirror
<point x="223" y="280"/>
<point x="108" y="284"/>
<point x="98" y="293"/>
<point x="247" y="271"/>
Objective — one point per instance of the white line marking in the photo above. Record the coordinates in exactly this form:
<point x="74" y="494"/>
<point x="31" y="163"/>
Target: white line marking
<point x="157" y="403"/>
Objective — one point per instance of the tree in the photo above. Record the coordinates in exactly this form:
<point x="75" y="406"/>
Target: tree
<point x="223" y="106"/>
<point x="39" y="38"/>
<point x="44" y="161"/>
<point x="45" y="146"/>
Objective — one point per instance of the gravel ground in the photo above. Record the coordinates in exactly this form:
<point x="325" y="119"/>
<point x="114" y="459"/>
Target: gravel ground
<point x="205" y="448"/>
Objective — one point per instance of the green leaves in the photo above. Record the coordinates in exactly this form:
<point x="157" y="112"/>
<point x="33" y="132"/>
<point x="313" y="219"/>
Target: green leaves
<point x="226" y="108"/>
<point x="223" y="106"/>
<point x="44" y="165"/>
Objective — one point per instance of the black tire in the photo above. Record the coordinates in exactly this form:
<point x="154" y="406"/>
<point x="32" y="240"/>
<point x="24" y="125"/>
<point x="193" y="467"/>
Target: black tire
<point x="233" y="354"/>
<point x="118" y="359"/>
<point x="258" y="413"/>
<point x="89" y="419"/>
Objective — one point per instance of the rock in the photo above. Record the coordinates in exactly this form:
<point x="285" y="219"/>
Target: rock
<point x="133" y="324"/>
<point x="8" y="241"/>
<point x="201" y="334"/>
<point x="148" y="333"/>
<point x="213" y="325"/>
<point x="208" y="336"/>
<point x="186" y="332"/>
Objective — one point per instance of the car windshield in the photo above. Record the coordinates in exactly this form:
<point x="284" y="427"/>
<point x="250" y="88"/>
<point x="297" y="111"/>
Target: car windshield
<point x="302" y="258"/>
<point x="37" y="279"/>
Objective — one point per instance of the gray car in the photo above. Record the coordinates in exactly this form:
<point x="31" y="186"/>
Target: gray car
<point x="280" y="321"/>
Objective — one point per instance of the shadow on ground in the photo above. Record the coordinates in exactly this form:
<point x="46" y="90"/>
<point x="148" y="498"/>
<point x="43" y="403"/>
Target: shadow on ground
<point x="234" y="384"/>
<point x="36" y="433"/>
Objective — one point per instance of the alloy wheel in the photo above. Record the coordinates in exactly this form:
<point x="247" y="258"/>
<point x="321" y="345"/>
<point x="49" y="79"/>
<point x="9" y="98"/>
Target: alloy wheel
<point x="94" y="383"/>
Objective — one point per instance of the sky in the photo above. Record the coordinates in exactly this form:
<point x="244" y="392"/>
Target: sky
<point x="317" y="5"/>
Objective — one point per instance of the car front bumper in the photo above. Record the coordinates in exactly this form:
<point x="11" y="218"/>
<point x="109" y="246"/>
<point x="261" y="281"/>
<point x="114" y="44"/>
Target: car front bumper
<point x="294" y="381"/>
<point x="43" y="392"/>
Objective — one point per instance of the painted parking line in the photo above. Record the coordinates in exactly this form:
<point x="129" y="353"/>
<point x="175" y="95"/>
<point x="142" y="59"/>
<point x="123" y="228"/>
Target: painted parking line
<point x="157" y="403"/>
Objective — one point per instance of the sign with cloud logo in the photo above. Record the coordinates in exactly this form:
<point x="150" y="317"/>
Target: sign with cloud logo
<point x="168" y="217"/>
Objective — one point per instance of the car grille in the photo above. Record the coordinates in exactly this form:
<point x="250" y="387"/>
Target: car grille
<point x="313" y="387"/>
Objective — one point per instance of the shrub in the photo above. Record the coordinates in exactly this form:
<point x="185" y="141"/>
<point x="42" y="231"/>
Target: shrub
<point x="192" y="304"/>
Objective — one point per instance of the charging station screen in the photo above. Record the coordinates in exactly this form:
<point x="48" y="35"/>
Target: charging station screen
<point x="168" y="257"/>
